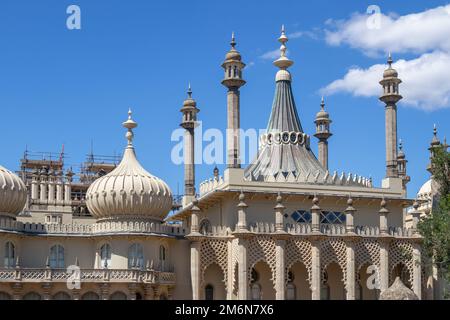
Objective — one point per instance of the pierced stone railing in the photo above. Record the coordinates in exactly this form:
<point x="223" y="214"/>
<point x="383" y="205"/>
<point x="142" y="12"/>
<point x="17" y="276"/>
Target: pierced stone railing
<point x="85" y="229"/>
<point x="210" y="184"/>
<point x="332" y="229"/>
<point x="87" y="275"/>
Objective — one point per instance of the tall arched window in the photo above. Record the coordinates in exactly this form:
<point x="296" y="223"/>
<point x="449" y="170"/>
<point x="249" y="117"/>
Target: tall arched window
<point x="105" y="256"/>
<point x="135" y="256"/>
<point x="10" y="254"/>
<point x="209" y="292"/>
<point x="162" y="257"/>
<point x="57" y="257"/>
<point x="256" y="291"/>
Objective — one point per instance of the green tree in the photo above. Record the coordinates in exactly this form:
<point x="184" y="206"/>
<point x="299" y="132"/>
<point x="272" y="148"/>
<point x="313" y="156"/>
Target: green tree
<point x="435" y="228"/>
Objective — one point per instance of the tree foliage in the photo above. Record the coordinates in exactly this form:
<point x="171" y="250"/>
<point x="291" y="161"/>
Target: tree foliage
<point x="435" y="228"/>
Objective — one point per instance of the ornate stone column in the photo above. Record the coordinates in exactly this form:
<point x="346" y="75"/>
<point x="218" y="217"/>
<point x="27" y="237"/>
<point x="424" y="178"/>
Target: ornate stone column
<point x="104" y="291"/>
<point x="417" y="269"/>
<point x="383" y="218"/>
<point x="315" y="268"/>
<point x="351" y="274"/>
<point x="195" y="269"/>
<point x="279" y="215"/>
<point x="242" y="215"/>
<point x="230" y="271"/>
<point x="280" y="278"/>
<point x="242" y="269"/>
<point x="315" y="215"/>
<point x="17" y="288"/>
<point x="46" y="287"/>
<point x="132" y="291"/>
<point x="148" y="292"/>
<point x="384" y="263"/>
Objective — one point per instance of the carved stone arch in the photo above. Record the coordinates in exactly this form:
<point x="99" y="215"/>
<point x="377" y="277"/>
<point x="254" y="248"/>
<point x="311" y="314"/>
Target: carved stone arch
<point x="299" y="251"/>
<point x="334" y="250"/>
<point x="214" y="251"/>
<point x="401" y="252"/>
<point x="367" y="251"/>
<point x="262" y="249"/>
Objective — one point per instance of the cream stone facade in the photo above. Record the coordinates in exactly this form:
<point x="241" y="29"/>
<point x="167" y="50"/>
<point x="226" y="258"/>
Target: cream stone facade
<point x="283" y="228"/>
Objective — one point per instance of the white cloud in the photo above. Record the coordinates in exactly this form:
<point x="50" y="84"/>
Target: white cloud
<point x="270" y="55"/>
<point x="418" y="32"/>
<point x="426" y="81"/>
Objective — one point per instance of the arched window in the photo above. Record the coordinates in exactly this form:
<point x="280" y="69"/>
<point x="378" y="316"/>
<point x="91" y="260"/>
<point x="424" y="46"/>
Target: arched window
<point x="135" y="256"/>
<point x="105" y="256"/>
<point x="4" y="296"/>
<point x="61" y="296"/>
<point x="90" y="296"/>
<point x="162" y="257"/>
<point x="57" y="257"/>
<point x="32" y="296"/>
<point x="205" y="227"/>
<point x="209" y="292"/>
<point x="290" y="291"/>
<point x="10" y="254"/>
<point x="118" y="295"/>
<point x="138" y="296"/>
<point x="325" y="288"/>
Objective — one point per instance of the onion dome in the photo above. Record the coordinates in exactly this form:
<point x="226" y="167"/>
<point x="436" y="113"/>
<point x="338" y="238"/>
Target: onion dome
<point x="129" y="192"/>
<point x="398" y="291"/>
<point x="425" y="191"/>
<point x="233" y="54"/>
<point x="390" y="72"/>
<point x="401" y="153"/>
<point x="322" y="114"/>
<point x="13" y="194"/>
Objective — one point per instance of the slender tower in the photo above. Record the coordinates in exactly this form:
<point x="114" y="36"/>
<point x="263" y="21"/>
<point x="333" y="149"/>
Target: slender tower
<point x="401" y="162"/>
<point x="189" y="122"/>
<point x="390" y="97"/>
<point x="233" y="81"/>
<point x="323" y="133"/>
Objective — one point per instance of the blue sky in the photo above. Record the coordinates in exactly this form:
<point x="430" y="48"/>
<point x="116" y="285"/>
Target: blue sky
<point x="60" y="86"/>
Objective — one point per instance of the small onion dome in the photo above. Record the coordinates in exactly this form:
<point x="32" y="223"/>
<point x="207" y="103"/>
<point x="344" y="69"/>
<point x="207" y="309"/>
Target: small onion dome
<point x="390" y="72"/>
<point x="129" y="192"/>
<point x="233" y="54"/>
<point x="189" y="102"/>
<point x="322" y="114"/>
<point x="398" y="291"/>
<point x="401" y="154"/>
<point x="13" y="193"/>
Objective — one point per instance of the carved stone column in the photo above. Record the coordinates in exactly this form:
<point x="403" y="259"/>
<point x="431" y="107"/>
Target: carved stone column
<point x="170" y="290"/>
<point x="132" y="291"/>
<point x="230" y="271"/>
<point x="242" y="269"/>
<point x="315" y="268"/>
<point x="384" y="263"/>
<point x="46" y="287"/>
<point x="315" y="215"/>
<point x="195" y="269"/>
<point x="104" y="291"/>
<point x="17" y="288"/>
<point x="351" y="274"/>
<point x="280" y="269"/>
<point x="148" y="292"/>
<point x="417" y="270"/>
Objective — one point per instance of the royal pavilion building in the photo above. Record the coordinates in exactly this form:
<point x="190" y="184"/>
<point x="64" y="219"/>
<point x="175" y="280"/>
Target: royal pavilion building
<point x="284" y="227"/>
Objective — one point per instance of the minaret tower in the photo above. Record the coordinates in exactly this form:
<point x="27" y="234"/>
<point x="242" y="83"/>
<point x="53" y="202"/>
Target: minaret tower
<point x="390" y="97"/>
<point x="189" y="122"/>
<point x="401" y="162"/>
<point x="323" y="133"/>
<point x="435" y="143"/>
<point x="233" y="81"/>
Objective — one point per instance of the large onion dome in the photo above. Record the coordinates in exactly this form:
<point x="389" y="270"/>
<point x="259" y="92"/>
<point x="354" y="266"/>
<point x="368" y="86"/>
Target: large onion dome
<point x="13" y="194"/>
<point x="129" y="192"/>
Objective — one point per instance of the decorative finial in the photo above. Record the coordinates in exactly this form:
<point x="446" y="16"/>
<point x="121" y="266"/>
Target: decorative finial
<point x="279" y="198"/>
<point x="322" y="103"/>
<point x="390" y="61"/>
<point x="283" y="62"/>
<point x="434" y="129"/>
<point x="416" y="204"/>
<point x="130" y="124"/>
<point x="189" y="92"/>
<point x="400" y="145"/>
<point x="233" y="40"/>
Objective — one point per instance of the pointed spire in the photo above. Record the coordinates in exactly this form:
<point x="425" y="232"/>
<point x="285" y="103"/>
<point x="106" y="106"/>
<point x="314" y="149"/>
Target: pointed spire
<point x="189" y="92"/>
<point x="390" y="61"/>
<point x="435" y="140"/>
<point x="322" y="104"/>
<point x="233" y="41"/>
<point x="130" y="124"/>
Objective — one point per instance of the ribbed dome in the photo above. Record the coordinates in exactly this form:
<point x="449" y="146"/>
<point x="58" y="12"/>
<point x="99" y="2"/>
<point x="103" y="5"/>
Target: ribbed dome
<point x="390" y="73"/>
<point x="233" y="55"/>
<point x="13" y="193"/>
<point x="129" y="191"/>
<point x="425" y="191"/>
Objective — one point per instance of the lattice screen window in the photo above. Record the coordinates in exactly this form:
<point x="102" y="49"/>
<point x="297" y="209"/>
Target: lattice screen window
<point x="332" y="217"/>
<point x="301" y="216"/>
<point x="326" y="217"/>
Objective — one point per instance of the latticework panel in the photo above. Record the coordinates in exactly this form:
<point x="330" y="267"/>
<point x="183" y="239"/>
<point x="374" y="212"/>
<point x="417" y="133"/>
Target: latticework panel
<point x="334" y="250"/>
<point x="298" y="251"/>
<point x="235" y="258"/>
<point x="367" y="251"/>
<point x="401" y="252"/>
<point x="262" y="249"/>
<point x="214" y="251"/>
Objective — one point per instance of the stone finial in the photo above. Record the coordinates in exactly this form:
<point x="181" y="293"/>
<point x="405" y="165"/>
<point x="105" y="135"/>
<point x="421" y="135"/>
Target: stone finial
<point x="47" y="262"/>
<point x="77" y="263"/>
<point x="283" y="62"/>
<point x="130" y="124"/>
<point x="383" y="204"/>
<point x="350" y="204"/>
<point x="242" y="203"/>
<point x="216" y="173"/>
<point x="279" y="202"/>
